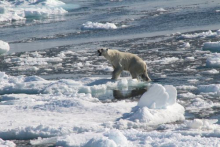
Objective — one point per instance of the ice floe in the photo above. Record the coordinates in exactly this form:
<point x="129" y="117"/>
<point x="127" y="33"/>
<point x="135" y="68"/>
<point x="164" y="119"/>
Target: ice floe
<point x="22" y="9"/>
<point x="64" y="113"/>
<point x="213" y="60"/>
<point x="7" y="143"/>
<point x="212" y="71"/>
<point x="4" y="47"/>
<point x="212" y="46"/>
<point x="212" y="89"/>
<point x="201" y="35"/>
<point x="98" y="26"/>
<point x="185" y="45"/>
<point x="167" y="60"/>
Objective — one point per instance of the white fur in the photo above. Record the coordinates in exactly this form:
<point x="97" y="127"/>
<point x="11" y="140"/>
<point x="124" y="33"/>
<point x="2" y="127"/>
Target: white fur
<point x="125" y="61"/>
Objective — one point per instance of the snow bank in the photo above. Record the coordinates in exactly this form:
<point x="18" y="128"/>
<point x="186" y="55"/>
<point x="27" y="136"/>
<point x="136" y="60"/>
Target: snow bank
<point x="158" y="97"/>
<point x="111" y="138"/>
<point x="213" y="60"/>
<point x="201" y="35"/>
<point x="212" y="46"/>
<point x="98" y="26"/>
<point x="133" y="137"/>
<point x="156" y="106"/>
<point x="7" y="143"/>
<point x="4" y="47"/>
<point x="22" y="9"/>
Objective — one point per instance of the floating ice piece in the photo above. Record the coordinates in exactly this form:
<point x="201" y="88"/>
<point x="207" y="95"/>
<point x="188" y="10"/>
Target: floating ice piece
<point x="185" y="45"/>
<point x="7" y="143"/>
<point x="198" y="103"/>
<point x="202" y="124"/>
<point x="201" y="35"/>
<point x="212" y="88"/>
<point x="212" y="46"/>
<point x="167" y="60"/>
<point x="189" y="58"/>
<point x="187" y="95"/>
<point x="158" y="97"/>
<point x="4" y="47"/>
<point x="212" y="71"/>
<point x="161" y="10"/>
<point x="186" y="87"/>
<point x="98" y="26"/>
<point x="213" y="60"/>
<point x="22" y="9"/>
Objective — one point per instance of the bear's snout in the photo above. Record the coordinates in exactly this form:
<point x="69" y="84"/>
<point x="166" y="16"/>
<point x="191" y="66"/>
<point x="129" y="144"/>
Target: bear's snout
<point x="99" y="52"/>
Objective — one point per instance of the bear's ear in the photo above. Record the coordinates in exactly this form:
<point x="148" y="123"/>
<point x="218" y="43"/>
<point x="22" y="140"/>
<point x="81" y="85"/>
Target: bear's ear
<point x="106" y="49"/>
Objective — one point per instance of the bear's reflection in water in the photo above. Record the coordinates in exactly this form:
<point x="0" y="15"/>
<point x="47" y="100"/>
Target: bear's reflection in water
<point x="129" y="94"/>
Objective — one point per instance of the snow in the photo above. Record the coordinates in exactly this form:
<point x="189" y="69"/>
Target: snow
<point x="167" y="60"/>
<point x="212" y="88"/>
<point x="213" y="60"/>
<point x="19" y="10"/>
<point x="189" y="58"/>
<point x="158" y="97"/>
<point x="66" y="112"/>
<point x="7" y="143"/>
<point x="4" y="47"/>
<point x="201" y="35"/>
<point x="98" y="26"/>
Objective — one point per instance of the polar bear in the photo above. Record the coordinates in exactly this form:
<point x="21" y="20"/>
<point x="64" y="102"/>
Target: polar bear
<point x="125" y="61"/>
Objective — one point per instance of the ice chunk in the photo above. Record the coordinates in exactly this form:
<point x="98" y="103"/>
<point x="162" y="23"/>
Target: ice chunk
<point x="212" y="71"/>
<point x="7" y="143"/>
<point x="185" y="45"/>
<point x="212" y="46"/>
<point x="98" y="26"/>
<point x="117" y="137"/>
<point x="101" y="142"/>
<point x="4" y="47"/>
<point x="201" y="35"/>
<point x="22" y="9"/>
<point x="201" y="124"/>
<point x="161" y="10"/>
<point x="167" y="60"/>
<point x="212" y="88"/>
<point x="213" y="60"/>
<point x="189" y="58"/>
<point x="156" y="106"/>
<point x="158" y="97"/>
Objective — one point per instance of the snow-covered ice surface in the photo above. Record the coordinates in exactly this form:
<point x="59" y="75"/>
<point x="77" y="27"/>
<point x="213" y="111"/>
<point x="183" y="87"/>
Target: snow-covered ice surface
<point x="56" y="91"/>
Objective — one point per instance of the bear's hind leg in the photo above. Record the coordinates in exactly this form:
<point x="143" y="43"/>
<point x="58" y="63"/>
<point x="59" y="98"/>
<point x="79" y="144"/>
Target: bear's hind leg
<point x="116" y="73"/>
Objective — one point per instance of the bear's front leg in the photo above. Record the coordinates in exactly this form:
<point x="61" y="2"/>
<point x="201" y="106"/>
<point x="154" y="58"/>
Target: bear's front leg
<point x="116" y="73"/>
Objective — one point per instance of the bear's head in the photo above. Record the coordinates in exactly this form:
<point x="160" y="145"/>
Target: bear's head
<point x="102" y="51"/>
